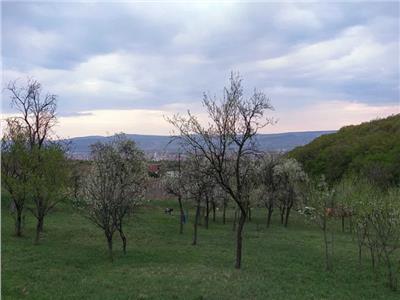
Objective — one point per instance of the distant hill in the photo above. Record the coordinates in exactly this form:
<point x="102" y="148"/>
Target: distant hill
<point x="160" y="146"/>
<point x="371" y="149"/>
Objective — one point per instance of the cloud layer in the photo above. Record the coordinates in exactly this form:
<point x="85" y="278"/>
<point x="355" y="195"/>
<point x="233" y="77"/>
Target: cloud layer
<point x="338" y="63"/>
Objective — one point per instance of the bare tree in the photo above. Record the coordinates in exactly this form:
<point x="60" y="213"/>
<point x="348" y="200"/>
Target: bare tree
<point x="319" y="199"/>
<point x="269" y="186"/>
<point x="197" y="183"/>
<point x="377" y="215"/>
<point x="38" y="110"/>
<point x="100" y="194"/>
<point x="132" y="176"/>
<point x="114" y="186"/>
<point x="289" y="178"/>
<point x="208" y="190"/>
<point x="384" y="220"/>
<point x="350" y="192"/>
<point x="227" y="141"/>
<point x="222" y="201"/>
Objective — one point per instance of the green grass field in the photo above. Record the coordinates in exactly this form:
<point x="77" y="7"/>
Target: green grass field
<point x="71" y="261"/>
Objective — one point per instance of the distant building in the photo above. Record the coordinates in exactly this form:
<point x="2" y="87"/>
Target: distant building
<point x="154" y="170"/>
<point x="172" y="174"/>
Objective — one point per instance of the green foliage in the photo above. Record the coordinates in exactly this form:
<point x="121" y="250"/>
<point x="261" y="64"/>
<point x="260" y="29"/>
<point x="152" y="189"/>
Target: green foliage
<point x="50" y="174"/>
<point x="15" y="169"/>
<point x="371" y="150"/>
<point x="35" y="177"/>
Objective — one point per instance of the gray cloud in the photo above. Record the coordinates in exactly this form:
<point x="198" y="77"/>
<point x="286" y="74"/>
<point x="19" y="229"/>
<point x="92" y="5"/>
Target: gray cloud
<point x="147" y="56"/>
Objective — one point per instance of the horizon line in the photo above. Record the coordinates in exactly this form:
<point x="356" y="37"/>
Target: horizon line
<point x="161" y="135"/>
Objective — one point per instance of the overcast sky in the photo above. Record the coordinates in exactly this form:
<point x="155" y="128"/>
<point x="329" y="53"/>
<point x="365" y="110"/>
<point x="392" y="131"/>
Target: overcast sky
<point x="123" y="66"/>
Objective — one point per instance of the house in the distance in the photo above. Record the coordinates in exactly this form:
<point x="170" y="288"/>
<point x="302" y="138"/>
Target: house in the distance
<point x="154" y="170"/>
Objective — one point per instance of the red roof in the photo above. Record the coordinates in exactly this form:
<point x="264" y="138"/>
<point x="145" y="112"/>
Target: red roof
<point x="154" y="168"/>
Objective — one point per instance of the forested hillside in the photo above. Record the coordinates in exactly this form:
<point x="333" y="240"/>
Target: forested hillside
<point x="371" y="149"/>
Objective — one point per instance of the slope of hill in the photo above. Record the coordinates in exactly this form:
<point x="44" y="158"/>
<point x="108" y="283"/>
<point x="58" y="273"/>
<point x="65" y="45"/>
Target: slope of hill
<point x="371" y="149"/>
<point x="80" y="146"/>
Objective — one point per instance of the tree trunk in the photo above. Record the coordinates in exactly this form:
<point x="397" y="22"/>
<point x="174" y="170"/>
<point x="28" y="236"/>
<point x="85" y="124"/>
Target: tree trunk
<point x="249" y="214"/>
<point x="235" y="220"/>
<point x="123" y="238"/>
<point x="342" y="223"/>
<point x="207" y="212"/>
<point x="270" y="209"/>
<point x="76" y="186"/>
<point x="37" y="236"/>
<point x="351" y="224"/>
<point x="242" y="220"/>
<point x="327" y="255"/>
<point x="40" y="213"/>
<point x="224" y="214"/>
<point x="391" y="275"/>
<point x="110" y="246"/>
<point x="213" y="210"/>
<point x="39" y="229"/>
<point x="41" y="226"/>
<point x="282" y="214"/>
<point x="182" y="219"/>
<point x="287" y="215"/>
<point x="201" y="216"/>
<point x="40" y="223"/>
<point x="18" y="223"/>
<point x="371" y="250"/>
<point x="196" y="220"/>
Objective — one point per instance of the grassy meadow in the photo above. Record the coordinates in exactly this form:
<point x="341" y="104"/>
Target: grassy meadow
<point x="71" y="261"/>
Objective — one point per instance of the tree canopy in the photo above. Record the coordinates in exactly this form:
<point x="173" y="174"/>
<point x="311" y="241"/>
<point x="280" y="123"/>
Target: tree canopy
<point x="371" y="150"/>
